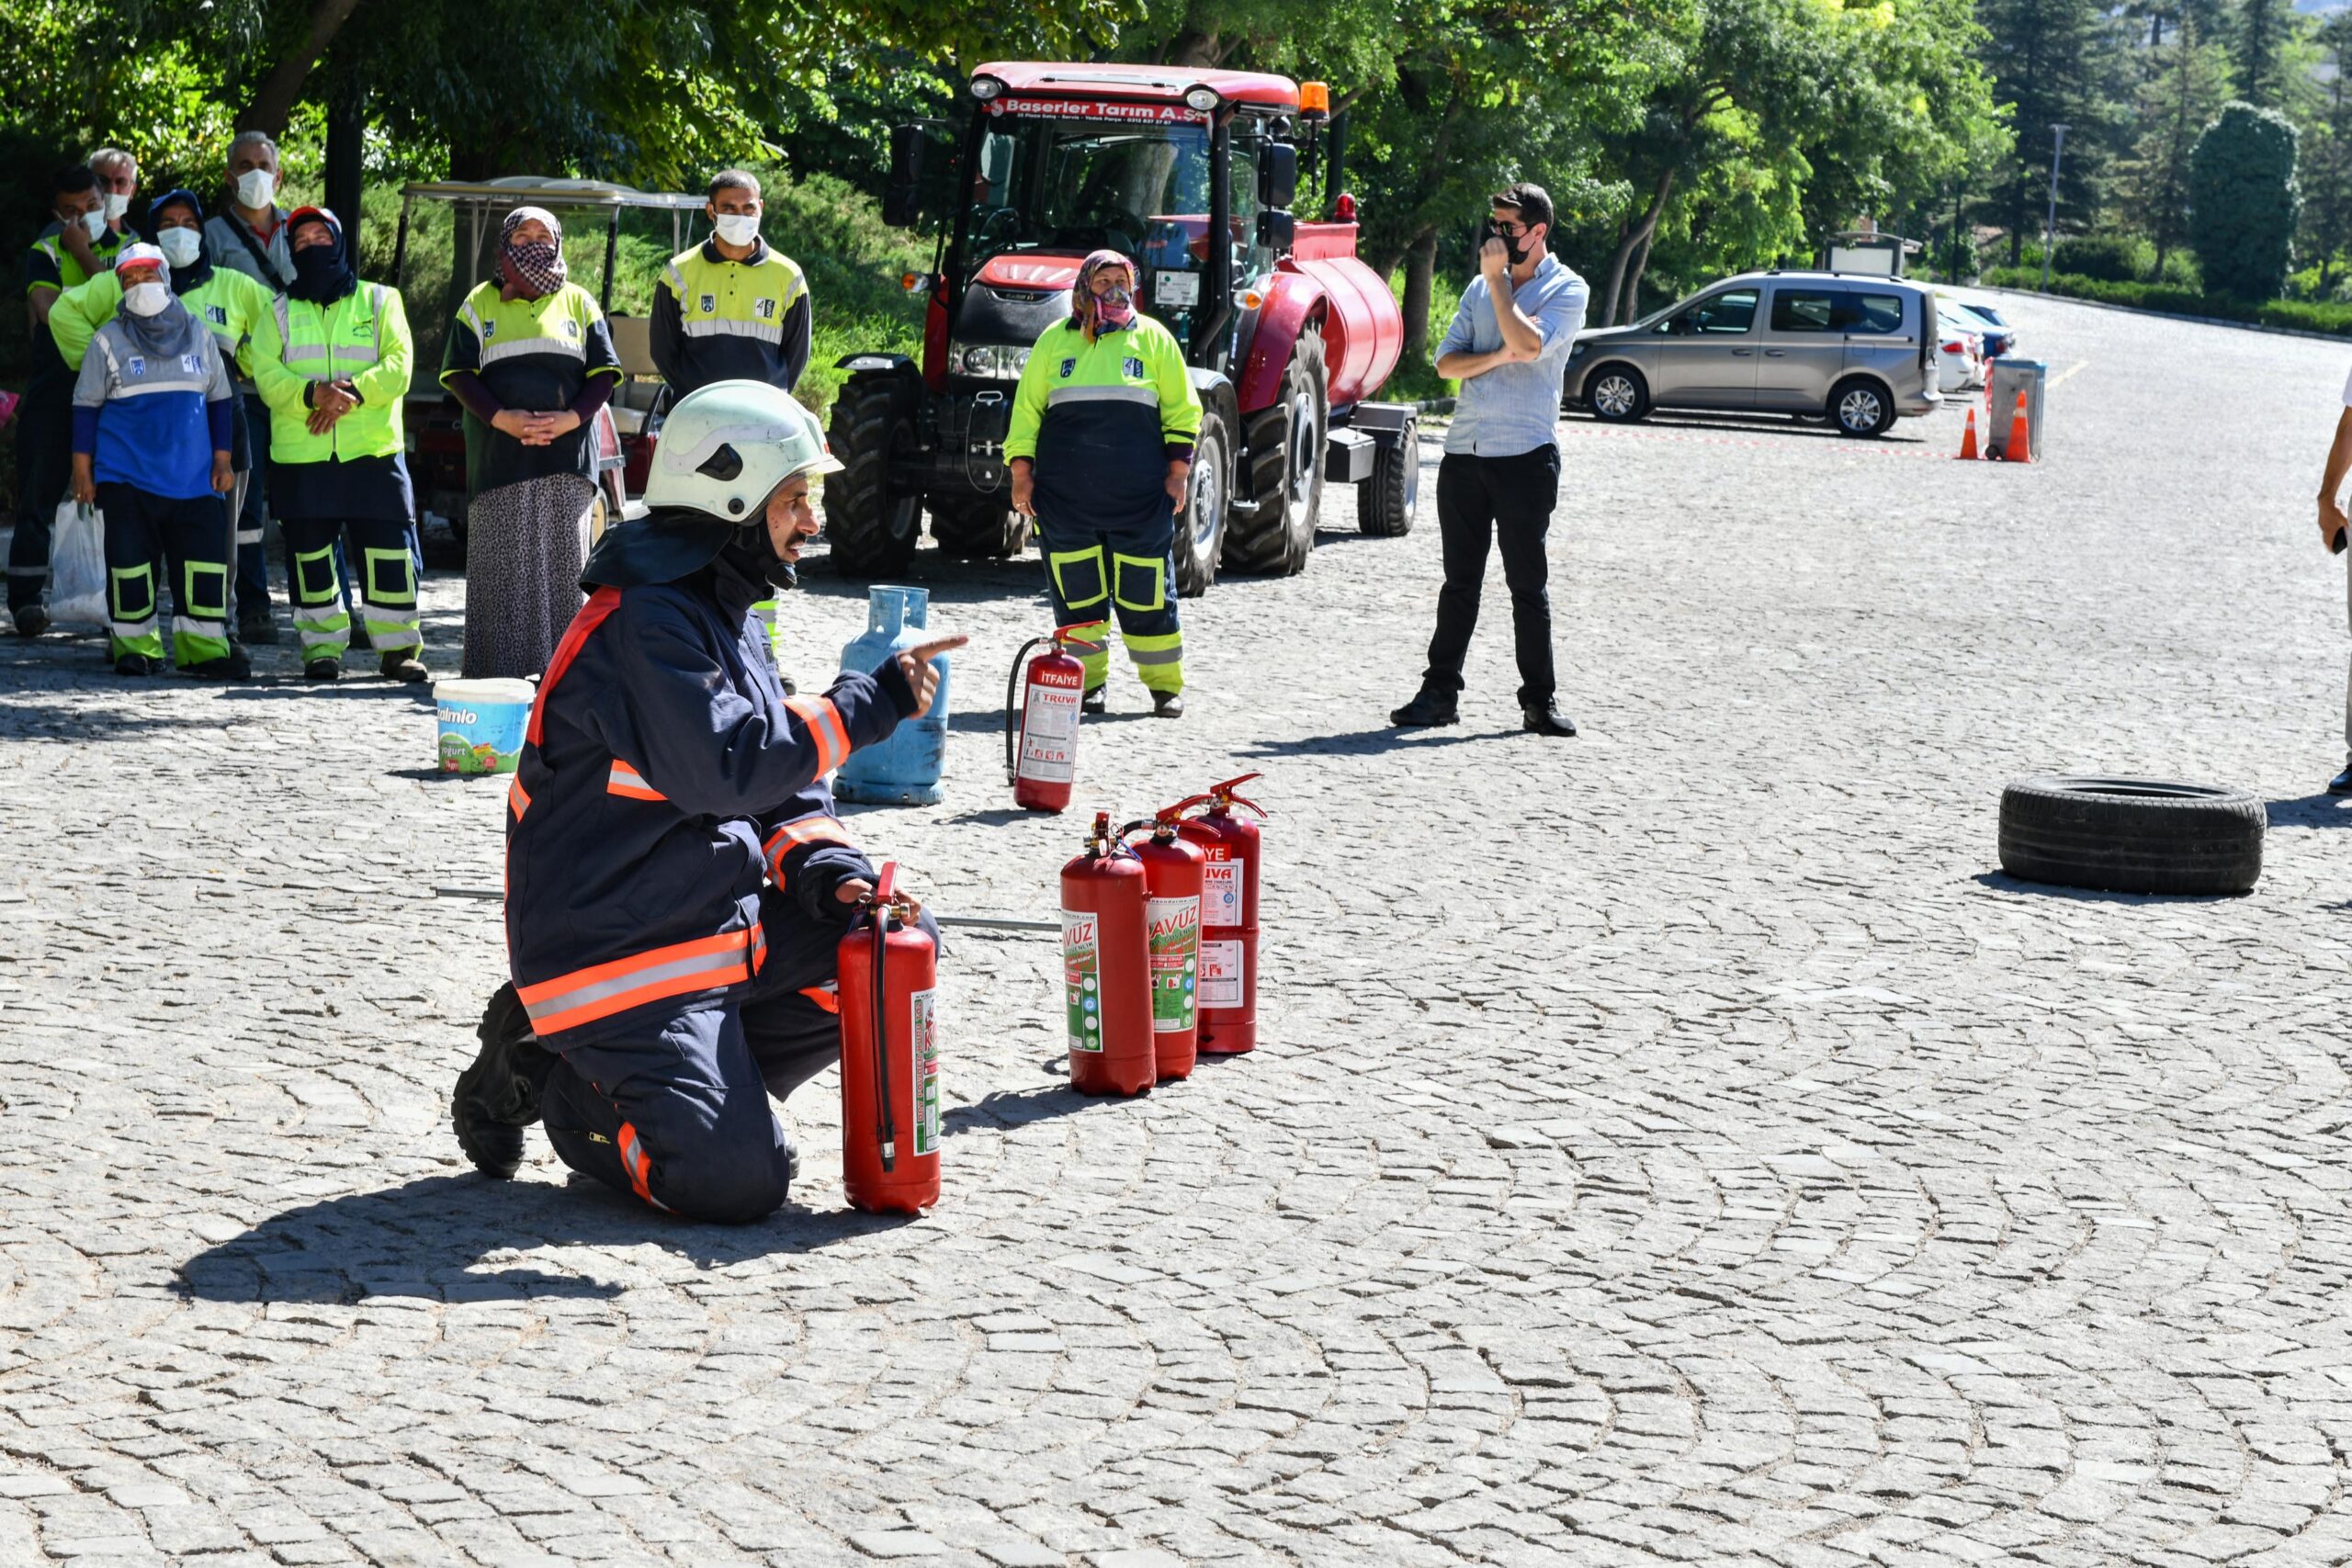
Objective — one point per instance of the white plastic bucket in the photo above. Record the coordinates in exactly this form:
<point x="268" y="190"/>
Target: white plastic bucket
<point x="481" y="723"/>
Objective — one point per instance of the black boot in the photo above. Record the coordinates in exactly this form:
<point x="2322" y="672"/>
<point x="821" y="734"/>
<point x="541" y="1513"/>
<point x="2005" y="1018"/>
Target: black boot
<point x="402" y="664"/>
<point x="1427" y="709"/>
<point x="2342" y="782"/>
<point x="498" y="1095"/>
<point x="1093" y="701"/>
<point x="1167" y="705"/>
<point x="1549" y="720"/>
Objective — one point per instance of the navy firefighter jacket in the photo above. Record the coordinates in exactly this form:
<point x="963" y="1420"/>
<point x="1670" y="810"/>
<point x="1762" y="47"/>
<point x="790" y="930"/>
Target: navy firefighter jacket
<point x="664" y="775"/>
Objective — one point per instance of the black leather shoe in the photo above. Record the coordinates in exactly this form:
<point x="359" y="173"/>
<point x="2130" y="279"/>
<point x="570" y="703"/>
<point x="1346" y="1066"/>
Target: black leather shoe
<point x="403" y="666"/>
<point x="2342" y="782"/>
<point x="236" y="665"/>
<point x="32" y="621"/>
<point x="1427" y="709"/>
<point x="257" y="630"/>
<point x="134" y="664"/>
<point x="322" y="670"/>
<point x="1549" y="720"/>
<point x="498" y="1095"/>
<point x="1167" y="705"/>
<point x="1093" y="701"/>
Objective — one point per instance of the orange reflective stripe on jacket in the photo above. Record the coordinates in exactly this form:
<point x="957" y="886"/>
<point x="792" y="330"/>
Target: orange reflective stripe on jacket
<point x="824" y="722"/>
<point x="705" y="963"/>
<point x="639" y="1166"/>
<point x="601" y="604"/>
<point x="806" y="831"/>
<point x="824" y="997"/>
<point x="518" y="799"/>
<point x="626" y="781"/>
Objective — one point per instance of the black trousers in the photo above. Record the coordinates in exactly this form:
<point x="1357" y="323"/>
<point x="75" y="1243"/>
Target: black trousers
<point x="1509" y="500"/>
<point x="44" y="466"/>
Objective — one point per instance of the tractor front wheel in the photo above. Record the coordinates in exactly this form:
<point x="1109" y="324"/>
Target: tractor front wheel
<point x="1199" y="527"/>
<point x="1285" y="470"/>
<point x="977" y="528"/>
<point x="872" y="526"/>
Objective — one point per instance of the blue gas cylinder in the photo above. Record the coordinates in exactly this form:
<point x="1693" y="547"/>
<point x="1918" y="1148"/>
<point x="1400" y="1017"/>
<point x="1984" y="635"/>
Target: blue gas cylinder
<point x="905" y="769"/>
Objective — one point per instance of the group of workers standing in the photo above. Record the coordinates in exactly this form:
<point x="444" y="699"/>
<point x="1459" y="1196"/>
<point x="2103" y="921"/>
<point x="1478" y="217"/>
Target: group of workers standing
<point x="221" y="369"/>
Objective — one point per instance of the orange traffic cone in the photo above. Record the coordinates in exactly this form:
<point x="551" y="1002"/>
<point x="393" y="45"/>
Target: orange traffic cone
<point x="1968" y="437"/>
<point x="2020" y="447"/>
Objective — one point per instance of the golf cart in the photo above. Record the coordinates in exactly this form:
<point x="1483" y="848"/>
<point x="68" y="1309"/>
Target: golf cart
<point x="450" y="244"/>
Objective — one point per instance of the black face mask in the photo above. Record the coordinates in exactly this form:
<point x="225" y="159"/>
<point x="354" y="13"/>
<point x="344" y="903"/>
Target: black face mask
<point x="1514" y="250"/>
<point x="754" y="552"/>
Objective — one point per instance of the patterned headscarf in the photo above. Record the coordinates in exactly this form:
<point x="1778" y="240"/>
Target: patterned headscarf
<point x="1085" y="310"/>
<point x="535" y="270"/>
<point x="323" y="274"/>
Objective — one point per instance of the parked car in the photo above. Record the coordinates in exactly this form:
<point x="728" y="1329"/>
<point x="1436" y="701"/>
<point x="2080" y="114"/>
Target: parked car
<point x="1960" y="354"/>
<point x="1860" y="351"/>
<point x="2000" y="338"/>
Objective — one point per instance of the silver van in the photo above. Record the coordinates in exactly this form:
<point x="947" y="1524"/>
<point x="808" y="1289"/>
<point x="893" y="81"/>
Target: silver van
<point x="1858" y="351"/>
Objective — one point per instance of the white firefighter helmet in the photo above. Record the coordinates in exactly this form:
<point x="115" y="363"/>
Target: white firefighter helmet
<point x="725" y="447"/>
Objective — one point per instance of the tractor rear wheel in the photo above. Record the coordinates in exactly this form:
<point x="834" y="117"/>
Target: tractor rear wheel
<point x="873" y="528"/>
<point x="977" y="528"/>
<point x="1199" y="527"/>
<point x="1285" y="470"/>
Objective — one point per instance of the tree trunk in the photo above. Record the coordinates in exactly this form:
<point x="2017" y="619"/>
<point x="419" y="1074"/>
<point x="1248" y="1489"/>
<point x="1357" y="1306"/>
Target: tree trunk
<point x="1195" y="49"/>
<point x="1636" y="238"/>
<point x="347" y="140"/>
<point x="1632" y="309"/>
<point x="1420" y="272"/>
<point x="273" y="102"/>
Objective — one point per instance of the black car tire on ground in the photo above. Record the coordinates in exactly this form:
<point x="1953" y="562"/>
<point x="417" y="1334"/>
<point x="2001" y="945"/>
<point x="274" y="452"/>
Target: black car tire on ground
<point x="1860" y="407"/>
<point x="1618" y="394"/>
<point x="2132" y="835"/>
<point x="978" y="529"/>
<point x="1199" y="527"/>
<point x="1285" y="471"/>
<point x="872" y="529"/>
<point x="1386" y="498"/>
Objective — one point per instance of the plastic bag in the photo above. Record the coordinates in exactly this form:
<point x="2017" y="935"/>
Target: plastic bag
<point x="77" y="565"/>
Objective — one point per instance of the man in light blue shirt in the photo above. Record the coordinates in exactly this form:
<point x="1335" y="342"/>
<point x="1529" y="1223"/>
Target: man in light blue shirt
<point x="1500" y="478"/>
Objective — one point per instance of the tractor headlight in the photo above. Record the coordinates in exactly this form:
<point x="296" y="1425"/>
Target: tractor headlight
<point x="992" y="362"/>
<point x="986" y="88"/>
<point x="1202" y="99"/>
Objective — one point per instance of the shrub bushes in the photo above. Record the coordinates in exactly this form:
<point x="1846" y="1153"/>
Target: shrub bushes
<point x="2303" y="315"/>
<point x="2243" y="201"/>
<point x="2112" y="258"/>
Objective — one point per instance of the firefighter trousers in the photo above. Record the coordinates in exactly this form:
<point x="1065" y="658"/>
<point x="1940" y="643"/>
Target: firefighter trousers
<point x="153" y="540"/>
<point x="377" y="555"/>
<point x="679" y="1115"/>
<point x="1093" y="575"/>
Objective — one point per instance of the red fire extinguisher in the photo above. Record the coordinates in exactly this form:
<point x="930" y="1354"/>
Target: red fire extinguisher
<point x="1172" y="914"/>
<point x="1229" y="885"/>
<point x="1041" y="762"/>
<point x="1107" y="967"/>
<point x="888" y="975"/>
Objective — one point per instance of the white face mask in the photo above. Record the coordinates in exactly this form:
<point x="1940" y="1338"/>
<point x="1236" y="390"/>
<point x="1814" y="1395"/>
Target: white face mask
<point x="94" y="224"/>
<point x="180" y="246"/>
<point x="115" y="207"/>
<point x="255" y="187"/>
<point x="738" y="228"/>
<point x="145" y="299"/>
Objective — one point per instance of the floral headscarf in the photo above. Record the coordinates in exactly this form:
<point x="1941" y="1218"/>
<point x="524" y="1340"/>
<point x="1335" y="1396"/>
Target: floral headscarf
<point x="1086" y="311"/>
<point x="535" y="270"/>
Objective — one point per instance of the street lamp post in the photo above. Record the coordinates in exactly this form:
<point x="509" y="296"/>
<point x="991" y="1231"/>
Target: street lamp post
<point x="2050" y="223"/>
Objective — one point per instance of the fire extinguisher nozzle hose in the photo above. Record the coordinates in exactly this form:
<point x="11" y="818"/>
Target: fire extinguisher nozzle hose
<point x="1012" y="707"/>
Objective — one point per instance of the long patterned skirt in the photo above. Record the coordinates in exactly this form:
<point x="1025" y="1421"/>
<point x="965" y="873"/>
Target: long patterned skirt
<point x="524" y="545"/>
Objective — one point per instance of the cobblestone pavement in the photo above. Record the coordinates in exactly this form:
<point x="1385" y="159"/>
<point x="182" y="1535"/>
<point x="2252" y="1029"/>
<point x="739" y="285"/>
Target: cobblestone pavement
<point x="1679" y="1143"/>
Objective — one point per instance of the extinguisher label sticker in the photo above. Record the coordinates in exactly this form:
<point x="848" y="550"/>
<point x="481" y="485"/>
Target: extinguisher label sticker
<point x="1049" y="735"/>
<point x="1175" y="962"/>
<point x="1221" y="982"/>
<point x="1082" y="979"/>
<point x="1222" y="883"/>
<point x="924" y="1031"/>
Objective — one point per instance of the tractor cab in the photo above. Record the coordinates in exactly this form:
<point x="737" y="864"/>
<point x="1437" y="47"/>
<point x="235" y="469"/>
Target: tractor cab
<point x="1192" y="174"/>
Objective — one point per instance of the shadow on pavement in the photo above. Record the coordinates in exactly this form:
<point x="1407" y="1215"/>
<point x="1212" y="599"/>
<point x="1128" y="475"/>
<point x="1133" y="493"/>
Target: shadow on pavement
<point x="1021" y="1108"/>
<point x="2322" y="810"/>
<point x="292" y="686"/>
<point x="439" y="1237"/>
<point x="1369" y="742"/>
<point x="2002" y="882"/>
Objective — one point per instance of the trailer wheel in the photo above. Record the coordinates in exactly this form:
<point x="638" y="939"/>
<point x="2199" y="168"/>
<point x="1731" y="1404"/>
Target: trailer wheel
<point x="1385" y="501"/>
<point x="1285" y="471"/>
<point x="980" y="528"/>
<point x="872" y="529"/>
<point x="1199" y="527"/>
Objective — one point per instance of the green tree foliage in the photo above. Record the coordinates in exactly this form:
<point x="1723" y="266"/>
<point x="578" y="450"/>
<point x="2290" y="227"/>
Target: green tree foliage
<point x="2326" y="155"/>
<point x="2244" y="194"/>
<point x="2054" y="63"/>
<point x="2264" y="52"/>
<point x="2186" y="81"/>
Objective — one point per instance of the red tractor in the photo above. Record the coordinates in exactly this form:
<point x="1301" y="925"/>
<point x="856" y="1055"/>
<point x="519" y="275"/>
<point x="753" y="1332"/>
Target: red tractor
<point x="1192" y="174"/>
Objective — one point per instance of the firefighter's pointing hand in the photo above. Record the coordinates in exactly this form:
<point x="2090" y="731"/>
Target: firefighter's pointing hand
<point x="922" y="676"/>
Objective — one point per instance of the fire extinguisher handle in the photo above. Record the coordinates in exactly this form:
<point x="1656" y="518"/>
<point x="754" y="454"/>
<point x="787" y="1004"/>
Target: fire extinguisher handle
<point x="1013" y="704"/>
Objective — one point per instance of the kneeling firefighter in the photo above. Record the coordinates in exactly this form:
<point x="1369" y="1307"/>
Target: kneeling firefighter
<point x="1101" y="448"/>
<point x="663" y="985"/>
